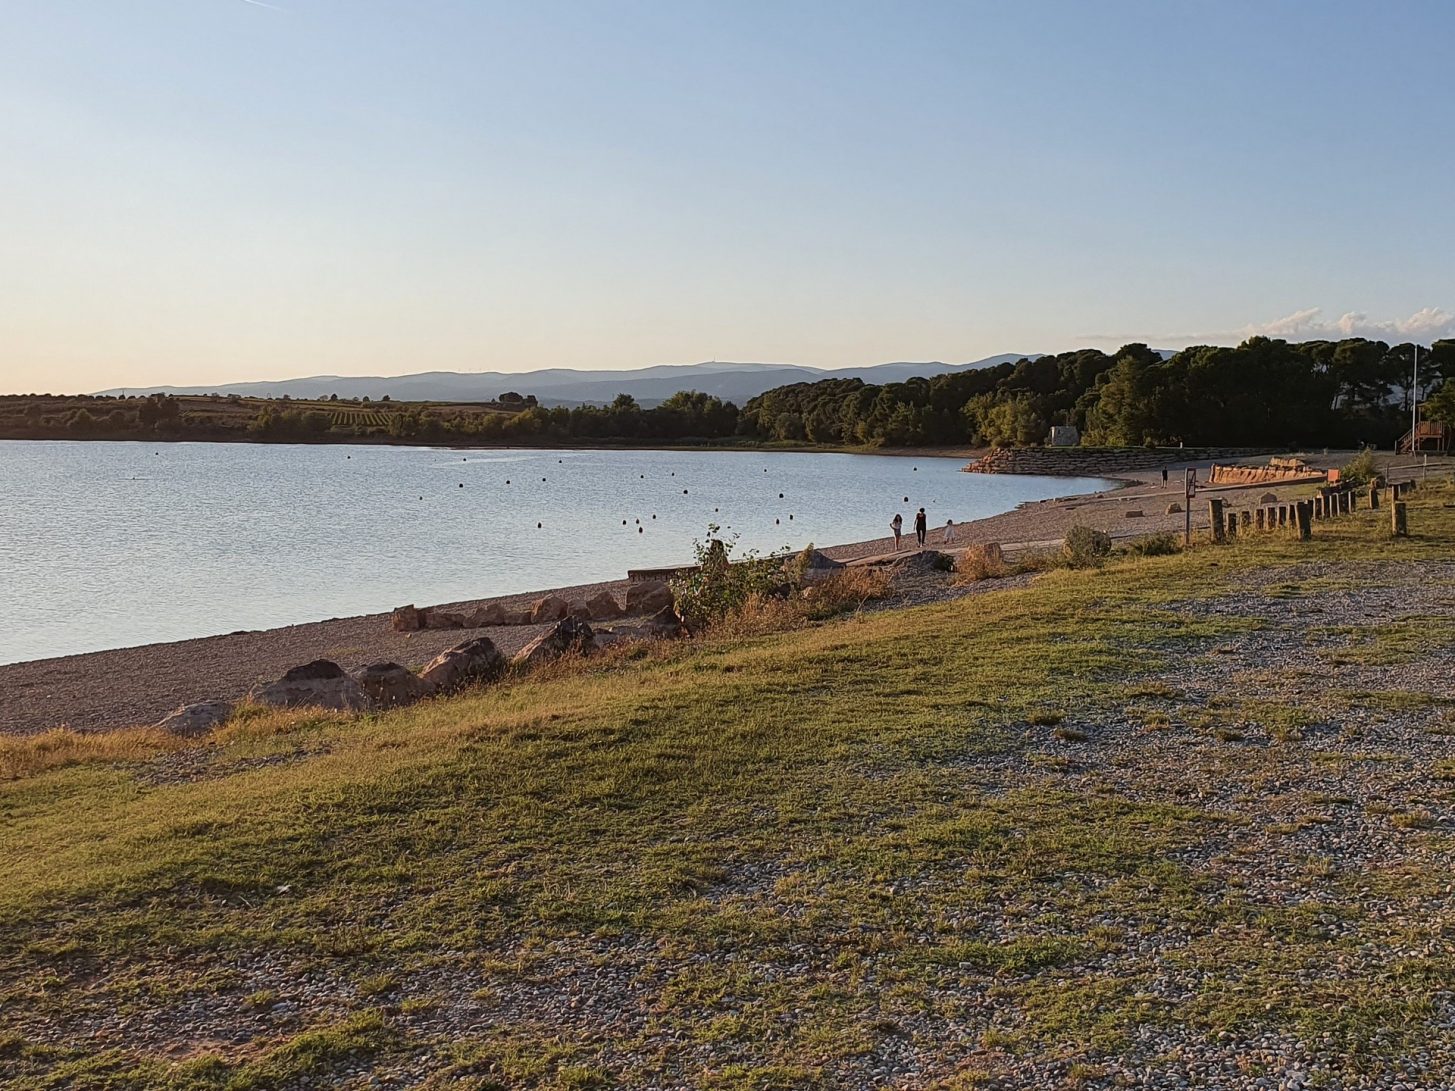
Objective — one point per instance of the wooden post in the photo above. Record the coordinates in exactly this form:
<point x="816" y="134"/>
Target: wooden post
<point x="1344" y="502"/>
<point x="1232" y="525"/>
<point x="1399" y="525"/>
<point x="1374" y="497"/>
<point x="1321" y="506"/>
<point x="1305" y="513"/>
<point x="1215" y="516"/>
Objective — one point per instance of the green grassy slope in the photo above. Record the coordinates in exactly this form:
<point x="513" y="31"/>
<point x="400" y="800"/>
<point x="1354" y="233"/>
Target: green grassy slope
<point x="770" y="862"/>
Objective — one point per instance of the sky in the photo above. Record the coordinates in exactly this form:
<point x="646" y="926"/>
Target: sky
<point x="198" y="191"/>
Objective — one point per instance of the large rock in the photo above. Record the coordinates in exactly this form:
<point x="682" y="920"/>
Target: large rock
<point x="320" y="684"/>
<point x="923" y="560"/>
<point x="603" y="606"/>
<point x="492" y="613"/>
<point x="549" y="608"/>
<point x="474" y="661"/>
<point x="198" y="719"/>
<point x="665" y="624"/>
<point x="406" y="619"/>
<point x="568" y="635"/>
<point x="436" y="618"/>
<point x="815" y="561"/>
<point x="389" y="685"/>
<point x="647" y="597"/>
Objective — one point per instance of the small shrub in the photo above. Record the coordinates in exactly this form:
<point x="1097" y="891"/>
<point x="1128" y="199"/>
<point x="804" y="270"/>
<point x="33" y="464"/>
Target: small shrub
<point x="977" y="564"/>
<point x="1155" y="545"/>
<point x="1361" y="469"/>
<point x="1046" y="719"/>
<point x="721" y="584"/>
<point x="1085" y="547"/>
<point x="1067" y="733"/>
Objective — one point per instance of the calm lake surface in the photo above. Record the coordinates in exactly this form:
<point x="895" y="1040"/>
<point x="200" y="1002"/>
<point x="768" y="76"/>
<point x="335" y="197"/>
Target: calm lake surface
<point x="106" y="545"/>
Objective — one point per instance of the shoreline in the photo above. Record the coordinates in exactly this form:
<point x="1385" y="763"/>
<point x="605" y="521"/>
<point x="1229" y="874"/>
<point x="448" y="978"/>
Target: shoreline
<point x="121" y="687"/>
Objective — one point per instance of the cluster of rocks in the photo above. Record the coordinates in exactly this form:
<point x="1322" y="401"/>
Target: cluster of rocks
<point x="324" y="684"/>
<point x="646" y="597"/>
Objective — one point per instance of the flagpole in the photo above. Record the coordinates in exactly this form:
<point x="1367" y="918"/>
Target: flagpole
<point x="1415" y="404"/>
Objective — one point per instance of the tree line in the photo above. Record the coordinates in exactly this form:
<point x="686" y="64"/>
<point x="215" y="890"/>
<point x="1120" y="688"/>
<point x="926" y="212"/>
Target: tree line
<point x="1264" y="392"/>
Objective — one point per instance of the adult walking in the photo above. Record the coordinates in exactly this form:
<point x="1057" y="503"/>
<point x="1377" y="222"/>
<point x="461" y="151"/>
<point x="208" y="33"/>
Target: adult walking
<point x="897" y="525"/>
<point x="921" y="527"/>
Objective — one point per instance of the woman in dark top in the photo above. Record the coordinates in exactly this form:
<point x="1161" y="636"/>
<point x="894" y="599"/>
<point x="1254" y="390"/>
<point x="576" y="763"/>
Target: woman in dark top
<point x="920" y="527"/>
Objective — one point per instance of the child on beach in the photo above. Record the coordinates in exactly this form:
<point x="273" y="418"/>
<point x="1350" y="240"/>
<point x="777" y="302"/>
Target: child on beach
<point x="897" y="525"/>
<point x="949" y="531"/>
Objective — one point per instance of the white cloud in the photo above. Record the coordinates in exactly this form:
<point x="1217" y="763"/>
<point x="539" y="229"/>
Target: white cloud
<point x="1425" y="325"/>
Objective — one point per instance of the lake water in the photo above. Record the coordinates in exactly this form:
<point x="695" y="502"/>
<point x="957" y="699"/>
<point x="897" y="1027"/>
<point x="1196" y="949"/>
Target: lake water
<point x="106" y="545"/>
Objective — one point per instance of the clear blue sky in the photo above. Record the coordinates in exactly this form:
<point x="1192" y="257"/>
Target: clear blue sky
<point x="213" y="190"/>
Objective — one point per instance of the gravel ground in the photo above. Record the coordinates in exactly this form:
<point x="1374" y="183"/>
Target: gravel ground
<point x="1324" y="795"/>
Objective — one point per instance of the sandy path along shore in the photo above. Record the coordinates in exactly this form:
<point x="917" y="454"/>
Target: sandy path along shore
<point x="139" y="685"/>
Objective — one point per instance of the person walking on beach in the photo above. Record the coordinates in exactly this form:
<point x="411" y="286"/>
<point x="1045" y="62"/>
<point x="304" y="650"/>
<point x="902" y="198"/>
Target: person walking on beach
<point x="897" y="525"/>
<point x="921" y="527"/>
<point x="949" y="532"/>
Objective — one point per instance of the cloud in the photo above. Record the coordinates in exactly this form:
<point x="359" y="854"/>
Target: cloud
<point x="1425" y="325"/>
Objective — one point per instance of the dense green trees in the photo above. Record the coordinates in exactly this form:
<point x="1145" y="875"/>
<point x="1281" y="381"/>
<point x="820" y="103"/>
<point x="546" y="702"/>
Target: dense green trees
<point x="1264" y="392"/>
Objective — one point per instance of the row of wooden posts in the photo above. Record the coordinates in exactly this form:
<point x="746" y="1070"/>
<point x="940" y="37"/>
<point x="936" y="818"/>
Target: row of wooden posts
<point x="1299" y="515"/>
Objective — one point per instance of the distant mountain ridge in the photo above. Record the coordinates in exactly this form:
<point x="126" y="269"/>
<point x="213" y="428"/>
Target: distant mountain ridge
<point x="735" y="382"/>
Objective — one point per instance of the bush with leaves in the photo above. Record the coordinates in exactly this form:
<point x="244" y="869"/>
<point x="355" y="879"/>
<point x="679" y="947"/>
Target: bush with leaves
<point x="1085" y="546"/>
<point x="1361" y="469"/>
<point x="723" y="579"/>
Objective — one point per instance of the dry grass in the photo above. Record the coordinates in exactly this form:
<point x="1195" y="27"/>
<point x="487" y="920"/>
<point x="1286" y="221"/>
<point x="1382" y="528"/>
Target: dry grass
<point x="972" y="566"/>
<point x="27" y="755"/>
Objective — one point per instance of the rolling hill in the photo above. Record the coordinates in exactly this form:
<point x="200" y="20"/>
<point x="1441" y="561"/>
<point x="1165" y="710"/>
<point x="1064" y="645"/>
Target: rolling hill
<point x="735" y="382"/>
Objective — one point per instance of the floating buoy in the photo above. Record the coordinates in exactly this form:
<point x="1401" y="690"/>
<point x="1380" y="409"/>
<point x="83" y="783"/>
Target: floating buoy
<point x="543" y="479"/>
<point x="654" y="515"/>
<point x="906" y="500"/>
<point x="776" y="522"/>
<point x="790" y="517"/>
<point x="462" y="484"/>
<point x="714" y="509"/>
<point x="780" y="496"/>
<point x="639" y="530"/>
<point x="623" y="522"/>
<point x="684" y="492"/>
<point x="507" y="481"/>
<point x="538" y="526"/>
<point x="642" y="476"/>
